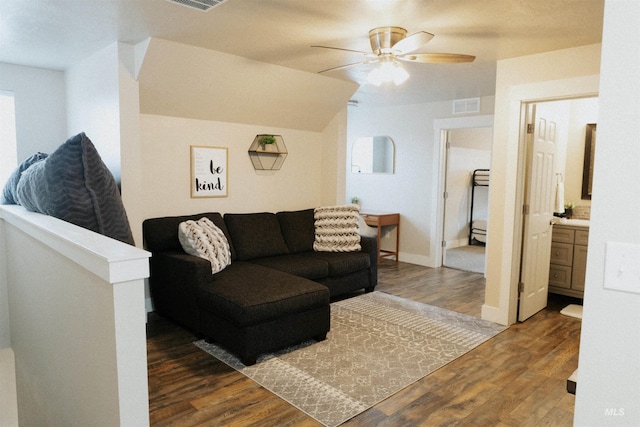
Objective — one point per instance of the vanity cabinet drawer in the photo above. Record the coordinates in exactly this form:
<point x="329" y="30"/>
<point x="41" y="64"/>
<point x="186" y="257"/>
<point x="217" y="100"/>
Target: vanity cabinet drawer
<point x="563" y="235"/>
<point x="582" y="237"/>
<point x="561" y="253"/>
<point x="560" y="276"/>
<point x="568" y="259"/>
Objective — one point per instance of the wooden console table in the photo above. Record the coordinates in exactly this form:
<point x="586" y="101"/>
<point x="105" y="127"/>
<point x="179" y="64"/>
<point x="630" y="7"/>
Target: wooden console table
<point x="379" y="220"/>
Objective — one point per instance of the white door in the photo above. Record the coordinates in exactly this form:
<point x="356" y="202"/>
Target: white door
<point x="538" y="211"/>
<point x="447" y="208"/>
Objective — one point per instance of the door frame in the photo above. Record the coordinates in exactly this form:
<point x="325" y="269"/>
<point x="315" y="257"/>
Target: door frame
<point x="501" y="299"/>
<point x="523" y="164"/>
<point x="440" y="129"/>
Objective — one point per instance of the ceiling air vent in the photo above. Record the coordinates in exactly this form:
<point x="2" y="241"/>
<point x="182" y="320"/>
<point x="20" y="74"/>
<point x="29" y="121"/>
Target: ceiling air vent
<point x="465" y="106"/>
<point x="202" y="5"/>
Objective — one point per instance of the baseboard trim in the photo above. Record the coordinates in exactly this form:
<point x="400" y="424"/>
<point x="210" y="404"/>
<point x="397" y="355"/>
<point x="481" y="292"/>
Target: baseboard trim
<point x="452" y="244"/>
<point x="493" y="314"/>
<point x="415" y="259"/>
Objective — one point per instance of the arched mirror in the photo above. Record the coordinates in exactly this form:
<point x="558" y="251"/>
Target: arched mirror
<point x="373" y="154"/>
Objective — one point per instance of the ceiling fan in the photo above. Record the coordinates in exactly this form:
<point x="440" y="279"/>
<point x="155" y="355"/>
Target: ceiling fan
<point x="390" y="44"/>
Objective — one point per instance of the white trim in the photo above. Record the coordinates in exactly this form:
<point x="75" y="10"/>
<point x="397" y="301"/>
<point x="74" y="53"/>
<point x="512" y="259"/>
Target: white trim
<point x="519" y="96"/>
<point x="457" y="243"/>
<point x="416" y="259"/>
<point x="440" y="125"/>
<point x="109" y="259"/>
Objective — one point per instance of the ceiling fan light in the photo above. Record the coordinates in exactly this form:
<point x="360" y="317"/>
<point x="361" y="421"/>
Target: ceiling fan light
<point x="400" y="75"/>
<point x="389" y="71"/>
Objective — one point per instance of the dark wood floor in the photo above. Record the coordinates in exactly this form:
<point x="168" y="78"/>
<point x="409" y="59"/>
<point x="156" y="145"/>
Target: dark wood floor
<point x="517" y="378"/>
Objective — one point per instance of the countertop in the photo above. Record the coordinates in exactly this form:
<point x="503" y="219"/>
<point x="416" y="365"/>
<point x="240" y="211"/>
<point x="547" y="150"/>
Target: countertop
<point x="572" y="222"/>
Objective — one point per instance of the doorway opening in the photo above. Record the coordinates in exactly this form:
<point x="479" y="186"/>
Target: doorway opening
<point x="553" y="148"/>
<point x="443" y="128"/>
<point x="467" y="161"/>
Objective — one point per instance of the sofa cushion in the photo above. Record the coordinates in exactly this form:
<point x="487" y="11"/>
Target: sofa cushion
<point x="161" y="234"/>
<point x="302" y="264"/>
<point x="298" y="229"/>
<point x="255" y="235"/>
<point x="249" y="294"/>
<point x="203" y="239"/>
<point x="73" y="184"/>
<point x="343" y="263"/>
<point x="9" y="196"/>
<point x="336" y="229"/>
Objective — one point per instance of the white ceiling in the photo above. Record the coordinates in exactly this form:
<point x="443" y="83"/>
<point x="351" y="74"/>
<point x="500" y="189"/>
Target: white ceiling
<point x="56" y="33"/>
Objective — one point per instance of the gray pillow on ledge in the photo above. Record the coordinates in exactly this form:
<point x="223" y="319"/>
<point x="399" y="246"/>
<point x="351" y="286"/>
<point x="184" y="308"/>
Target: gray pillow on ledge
<point x="9" y="196"/>
<point x="73" y="184"/>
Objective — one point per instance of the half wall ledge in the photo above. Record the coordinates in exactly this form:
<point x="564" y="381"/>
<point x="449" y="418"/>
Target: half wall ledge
<point x="72" y="311"/>
<point x="111" y="260"/>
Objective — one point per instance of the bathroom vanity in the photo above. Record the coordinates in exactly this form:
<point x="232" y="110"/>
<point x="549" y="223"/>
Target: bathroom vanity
<point x="569" y="257"/>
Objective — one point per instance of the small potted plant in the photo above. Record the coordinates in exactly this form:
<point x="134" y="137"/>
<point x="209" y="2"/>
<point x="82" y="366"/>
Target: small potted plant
<point x="268" y="142"/>
<point x="568" y="209"/>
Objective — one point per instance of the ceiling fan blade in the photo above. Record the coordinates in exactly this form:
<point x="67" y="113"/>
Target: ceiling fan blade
<point x="349" y="65"/>
<point x="437" y="58"/>
<point x="347" y="50"/>
<point x="412" y="42"/>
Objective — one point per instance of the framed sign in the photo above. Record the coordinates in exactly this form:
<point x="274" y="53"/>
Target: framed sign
<point x="208" y="171"/>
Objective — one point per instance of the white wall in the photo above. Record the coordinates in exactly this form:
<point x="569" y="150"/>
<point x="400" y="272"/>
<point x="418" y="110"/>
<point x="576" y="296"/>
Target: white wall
<point x="412" y="189"/>
<point x="40" y="100"/>
<point x="165" y="168"/>
<point x="333" y="141"/>
<point x="130" y="150"/>
<point x="552" y="75"/>
<point x="93" y="104"/>
<point x="609" y="372"/>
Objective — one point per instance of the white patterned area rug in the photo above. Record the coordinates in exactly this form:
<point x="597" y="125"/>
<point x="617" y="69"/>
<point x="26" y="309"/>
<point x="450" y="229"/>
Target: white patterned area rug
<point x="378" y="345"/>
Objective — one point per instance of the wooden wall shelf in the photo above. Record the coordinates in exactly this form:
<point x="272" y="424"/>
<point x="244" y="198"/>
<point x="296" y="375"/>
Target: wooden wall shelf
<point x="268" y="157"/>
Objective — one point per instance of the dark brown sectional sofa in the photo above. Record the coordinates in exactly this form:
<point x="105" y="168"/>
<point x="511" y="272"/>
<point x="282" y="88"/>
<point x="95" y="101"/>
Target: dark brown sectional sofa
<point x="275" y="293"/>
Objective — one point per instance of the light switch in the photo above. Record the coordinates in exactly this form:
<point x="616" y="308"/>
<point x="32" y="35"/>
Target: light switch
<point x="622" y="267"/>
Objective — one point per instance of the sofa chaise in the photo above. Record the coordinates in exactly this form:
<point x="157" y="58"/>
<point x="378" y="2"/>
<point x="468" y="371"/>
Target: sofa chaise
<point x="276" y="290"/>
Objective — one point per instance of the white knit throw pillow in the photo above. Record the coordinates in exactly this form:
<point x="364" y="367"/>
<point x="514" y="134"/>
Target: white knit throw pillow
<point x="204" y="239"/>
<point x="336" y="229"/>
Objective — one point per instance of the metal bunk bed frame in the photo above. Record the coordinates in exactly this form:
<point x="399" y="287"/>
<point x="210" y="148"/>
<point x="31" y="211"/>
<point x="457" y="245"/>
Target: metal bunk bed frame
<point x="480" y="178"/>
